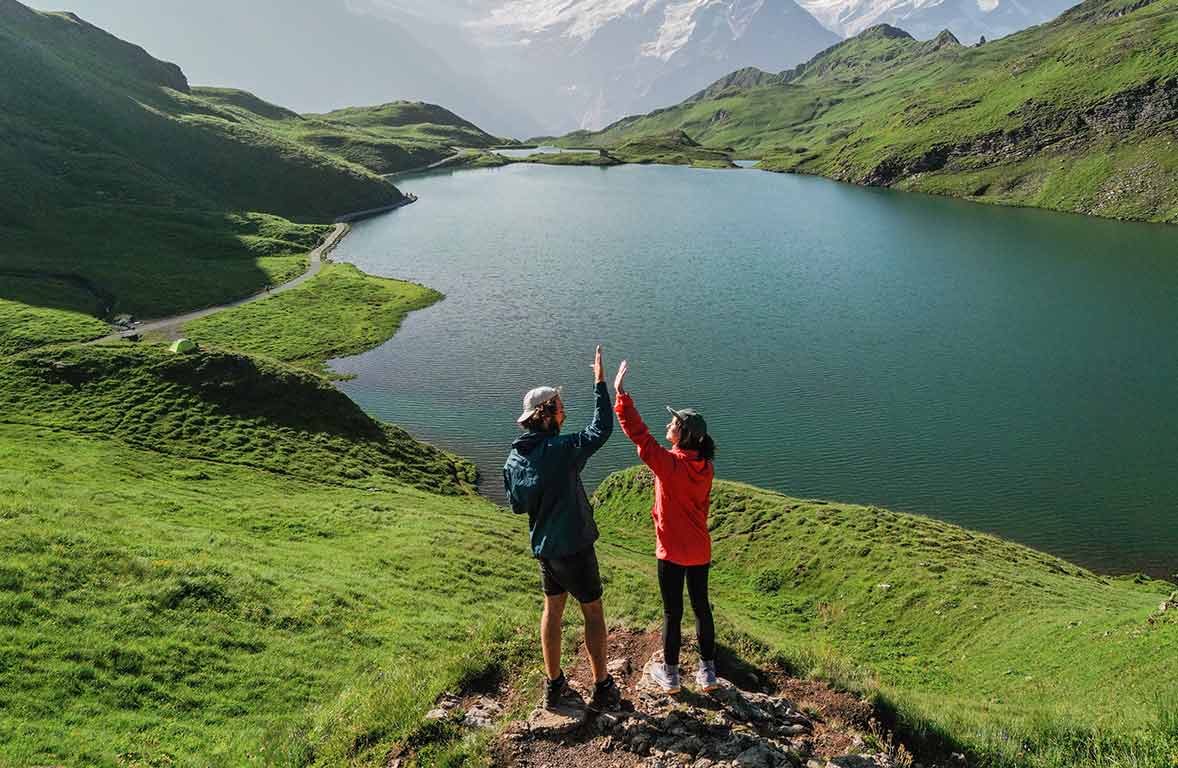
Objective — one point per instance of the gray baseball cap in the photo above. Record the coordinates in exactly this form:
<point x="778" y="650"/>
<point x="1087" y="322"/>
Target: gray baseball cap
<point x="690" y="419"/>
<point x="536" y="398"/>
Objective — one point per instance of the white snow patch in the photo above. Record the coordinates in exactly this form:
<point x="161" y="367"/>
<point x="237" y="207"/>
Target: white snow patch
<point x="678" y="24"/>
<point x="579" y="18"/>
<point x="850" y="17"/>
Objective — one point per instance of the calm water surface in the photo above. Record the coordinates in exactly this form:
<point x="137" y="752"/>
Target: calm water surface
<point x="540" y="150"/>
<point x="1008" y="370"/>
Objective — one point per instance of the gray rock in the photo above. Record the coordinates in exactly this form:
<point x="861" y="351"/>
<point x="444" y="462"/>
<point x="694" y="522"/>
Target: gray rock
<point x="619" y="667"/>
<point x="860" y="761"/>
<point x="437" y="714"/>
<point x="756" y="756"/>
<point x="483" y="713"/>
<point x="560" y="720"/>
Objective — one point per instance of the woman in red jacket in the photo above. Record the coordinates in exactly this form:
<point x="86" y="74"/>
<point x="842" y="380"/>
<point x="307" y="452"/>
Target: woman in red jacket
<point x="682" y="487"/>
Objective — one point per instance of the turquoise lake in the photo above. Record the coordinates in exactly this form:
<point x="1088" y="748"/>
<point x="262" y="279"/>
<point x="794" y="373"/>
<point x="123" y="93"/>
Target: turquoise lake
<point x="1009" y="370"/>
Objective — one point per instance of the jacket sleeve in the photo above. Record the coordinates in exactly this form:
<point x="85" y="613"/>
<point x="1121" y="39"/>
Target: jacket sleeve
<point x="511" y="486"/>
<point x="653" y="455"/>
<point x="586" y="442"/>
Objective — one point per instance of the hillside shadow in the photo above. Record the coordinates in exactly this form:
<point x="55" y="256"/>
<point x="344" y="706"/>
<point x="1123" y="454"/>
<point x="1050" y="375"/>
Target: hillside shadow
<point x="148" y="262"/>
<point x="240" y="387"/>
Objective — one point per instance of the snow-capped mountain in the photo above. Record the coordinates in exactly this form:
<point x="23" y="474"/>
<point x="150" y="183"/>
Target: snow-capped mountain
<point x="589" y="62"/>
<point x="967" y="19"/>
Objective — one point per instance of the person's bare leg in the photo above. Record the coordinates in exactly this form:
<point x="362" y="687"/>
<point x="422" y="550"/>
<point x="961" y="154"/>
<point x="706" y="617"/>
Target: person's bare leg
<point x="595" y="637"/>
<point x="550" y="633"/>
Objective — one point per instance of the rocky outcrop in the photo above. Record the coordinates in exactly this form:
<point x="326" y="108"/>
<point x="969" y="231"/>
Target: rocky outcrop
<point x="1141" y="109"/>
<point x="732" y="727"/>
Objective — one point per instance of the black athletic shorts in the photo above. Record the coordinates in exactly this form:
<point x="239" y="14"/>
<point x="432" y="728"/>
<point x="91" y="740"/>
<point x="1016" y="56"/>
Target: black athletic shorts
<point x="576" y="574"/>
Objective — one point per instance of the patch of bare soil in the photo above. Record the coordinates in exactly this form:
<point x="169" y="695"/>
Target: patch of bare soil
<point x="784" y="722"/>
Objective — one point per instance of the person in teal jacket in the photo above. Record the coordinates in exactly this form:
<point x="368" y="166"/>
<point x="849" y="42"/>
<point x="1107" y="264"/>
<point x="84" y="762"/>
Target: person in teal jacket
<point x="542" y="478"/>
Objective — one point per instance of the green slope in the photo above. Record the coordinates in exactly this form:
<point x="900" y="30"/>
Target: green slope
<point x="1078" y="114"/>
<point x="1019" y="657"/>
<point x="340" y="312"/>
<point x="384" y="139"/>
<point x="209" y="560"/>
<point x="116" y="177"/>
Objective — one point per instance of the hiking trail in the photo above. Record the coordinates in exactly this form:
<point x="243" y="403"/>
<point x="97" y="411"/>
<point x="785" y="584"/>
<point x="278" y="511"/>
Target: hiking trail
<point x="756" y="719"/>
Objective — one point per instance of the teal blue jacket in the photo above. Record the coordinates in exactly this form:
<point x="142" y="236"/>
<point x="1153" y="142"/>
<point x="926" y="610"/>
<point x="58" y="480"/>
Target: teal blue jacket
<point x="542" y="478"/>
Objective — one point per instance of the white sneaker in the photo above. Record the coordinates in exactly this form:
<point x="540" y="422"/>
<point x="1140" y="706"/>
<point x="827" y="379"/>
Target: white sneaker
<point x="666" y="676"/>
<point x="705" y="676"/>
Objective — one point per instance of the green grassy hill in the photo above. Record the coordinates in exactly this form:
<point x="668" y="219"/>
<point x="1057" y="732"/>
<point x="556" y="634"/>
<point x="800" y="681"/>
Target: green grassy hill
<point x="384" y="139"/>
<point x="212" y="560"/>
<point x="1015" y="656"/>
<point x="123" y="191"/>
<point x="1078" y="114"/>
<point x="209" y="560"/>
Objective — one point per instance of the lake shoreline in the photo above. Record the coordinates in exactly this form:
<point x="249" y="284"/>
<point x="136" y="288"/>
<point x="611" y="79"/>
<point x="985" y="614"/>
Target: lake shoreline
<point x="814" y="484"/>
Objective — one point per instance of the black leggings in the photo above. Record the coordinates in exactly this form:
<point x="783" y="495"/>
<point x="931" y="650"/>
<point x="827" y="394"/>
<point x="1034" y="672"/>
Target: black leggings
<point x="671" y="577"/>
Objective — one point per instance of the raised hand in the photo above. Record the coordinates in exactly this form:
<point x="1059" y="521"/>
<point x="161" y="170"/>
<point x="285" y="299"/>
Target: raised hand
<point x="598" y="368"/>
<point x="619" y="380"/>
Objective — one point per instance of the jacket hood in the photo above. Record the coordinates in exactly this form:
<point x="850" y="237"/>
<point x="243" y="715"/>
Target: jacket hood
<point x="525" y="444"/>
<point x="692" y="459"/>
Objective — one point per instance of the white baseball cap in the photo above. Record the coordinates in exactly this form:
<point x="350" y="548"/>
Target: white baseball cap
<point x="536" y="398"/>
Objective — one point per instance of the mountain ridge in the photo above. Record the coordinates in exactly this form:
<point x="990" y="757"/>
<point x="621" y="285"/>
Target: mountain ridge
<point x="1070" y="115"/>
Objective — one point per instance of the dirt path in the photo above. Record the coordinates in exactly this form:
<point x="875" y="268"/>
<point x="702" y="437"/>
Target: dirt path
<point x="757" y="718"/>
<point x="422" y="168"/>
<point x="171" y="326"/>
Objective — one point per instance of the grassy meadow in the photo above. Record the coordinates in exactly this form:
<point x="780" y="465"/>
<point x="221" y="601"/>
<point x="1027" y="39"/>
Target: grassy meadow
<point x="211" y="560"/>
<point x="34" y="312"/>
<point x="339" y="312"/>
<point x="153" y="262"/>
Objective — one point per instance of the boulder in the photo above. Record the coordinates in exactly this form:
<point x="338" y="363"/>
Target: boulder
<point x="562" y="719"/>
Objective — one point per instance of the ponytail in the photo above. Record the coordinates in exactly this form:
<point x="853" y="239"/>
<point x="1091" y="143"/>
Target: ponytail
<point x="701" y="443"/>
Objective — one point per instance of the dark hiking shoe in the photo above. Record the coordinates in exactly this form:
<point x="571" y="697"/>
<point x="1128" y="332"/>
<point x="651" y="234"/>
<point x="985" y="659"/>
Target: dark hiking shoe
<point x="556" y="692"/>
<point x="606" y="695"/>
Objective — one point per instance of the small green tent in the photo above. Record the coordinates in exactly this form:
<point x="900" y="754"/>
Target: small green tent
<point x="182" y="347"/>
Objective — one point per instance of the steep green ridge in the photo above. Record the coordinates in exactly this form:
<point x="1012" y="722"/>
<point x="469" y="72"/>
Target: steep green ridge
<point x="384" y="139"/>
<point x="1078" y="114"/>
<point x="94" y="120"/>
<point x="340" y="312"/>
<point x="1021" y="657"/>
<point x="115" y="176"/>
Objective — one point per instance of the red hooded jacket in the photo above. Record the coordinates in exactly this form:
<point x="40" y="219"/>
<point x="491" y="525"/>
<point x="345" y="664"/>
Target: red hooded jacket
<point x="682" y="489"/>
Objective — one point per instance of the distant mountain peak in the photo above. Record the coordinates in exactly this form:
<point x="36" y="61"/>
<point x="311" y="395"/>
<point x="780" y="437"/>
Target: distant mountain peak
<point x="967" y="19"/>
<point x="885" y="32"/>
<point x="592" y="61"/>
